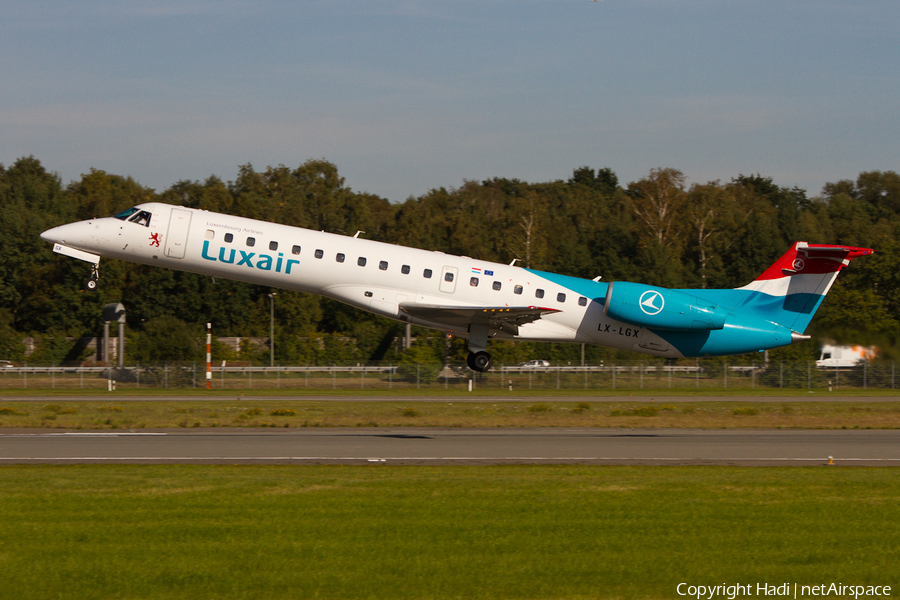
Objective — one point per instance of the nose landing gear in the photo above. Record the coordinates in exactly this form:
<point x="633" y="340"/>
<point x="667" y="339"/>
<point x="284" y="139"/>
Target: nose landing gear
<point x="91" y="284"/>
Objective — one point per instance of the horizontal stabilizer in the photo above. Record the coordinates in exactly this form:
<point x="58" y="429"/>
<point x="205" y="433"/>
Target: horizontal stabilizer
<point x="811" y="259"/>
<point x="823" y="251"/>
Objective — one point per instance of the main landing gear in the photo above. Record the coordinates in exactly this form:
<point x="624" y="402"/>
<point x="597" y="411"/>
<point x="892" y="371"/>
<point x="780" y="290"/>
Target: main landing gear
<point x="479" y="361"/>
<point x="91" y="284"/>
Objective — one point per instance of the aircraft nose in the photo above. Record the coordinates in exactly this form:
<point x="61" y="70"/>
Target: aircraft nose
<point x="53" y="235"/>
<point x="73" y="234"/>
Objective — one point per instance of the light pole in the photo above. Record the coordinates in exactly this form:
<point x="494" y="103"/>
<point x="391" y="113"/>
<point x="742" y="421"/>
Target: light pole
<point x="272" y="329"/>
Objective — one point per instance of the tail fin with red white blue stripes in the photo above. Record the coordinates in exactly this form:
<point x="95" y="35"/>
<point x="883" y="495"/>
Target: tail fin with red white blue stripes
<point x="791" y="290"/>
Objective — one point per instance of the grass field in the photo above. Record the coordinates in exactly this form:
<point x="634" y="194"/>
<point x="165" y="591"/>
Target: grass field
<point x="450" y="532"/>
<point x="287" y="412"/>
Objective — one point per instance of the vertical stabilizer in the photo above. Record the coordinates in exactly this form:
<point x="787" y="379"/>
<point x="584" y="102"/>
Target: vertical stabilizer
<point x="791" y="290"/>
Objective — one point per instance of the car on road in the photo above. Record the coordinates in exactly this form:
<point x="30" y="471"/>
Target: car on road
<point x="534" y="364"/>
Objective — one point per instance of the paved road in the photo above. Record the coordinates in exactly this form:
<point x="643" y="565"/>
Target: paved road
<point x="403" y="397"/>
<point x="455" y="446"/>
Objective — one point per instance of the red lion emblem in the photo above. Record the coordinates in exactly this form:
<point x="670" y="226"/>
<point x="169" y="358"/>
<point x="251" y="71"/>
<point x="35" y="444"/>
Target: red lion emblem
<point x="154" y="239"/>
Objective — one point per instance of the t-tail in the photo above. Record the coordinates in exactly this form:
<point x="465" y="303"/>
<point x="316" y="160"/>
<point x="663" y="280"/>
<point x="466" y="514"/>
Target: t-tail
<point x="791" y="290"/>
<point x="772" y="311"/>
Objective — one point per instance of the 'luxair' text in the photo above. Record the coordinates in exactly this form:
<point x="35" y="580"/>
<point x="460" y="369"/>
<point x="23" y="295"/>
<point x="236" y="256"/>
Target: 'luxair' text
<point x="263" y="261"/>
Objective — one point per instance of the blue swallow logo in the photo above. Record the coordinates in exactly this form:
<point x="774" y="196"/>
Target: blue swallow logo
<point x="652" y="302"/>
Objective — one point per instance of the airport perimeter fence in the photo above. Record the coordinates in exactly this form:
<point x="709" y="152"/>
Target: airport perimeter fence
<point x="704" y="374"/>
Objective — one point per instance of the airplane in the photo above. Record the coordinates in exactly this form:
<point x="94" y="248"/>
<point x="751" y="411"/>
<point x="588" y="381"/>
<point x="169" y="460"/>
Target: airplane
<point x="470" y="298"/>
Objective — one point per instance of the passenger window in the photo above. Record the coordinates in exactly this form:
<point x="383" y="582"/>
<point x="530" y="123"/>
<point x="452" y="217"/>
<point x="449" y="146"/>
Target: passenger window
<point x="582" y="301"/>
<point x="405" y="269"/>
<point x="229" y="237"/>
<point x="560" y="297"/>
<point x="382" y="266"/>
<point x="361" y="261"/>
<point x="294" y="250"/>
<point x="340" y="257"/>
<point x="319" y="253"/>
<point x="210" y="234"/>
<point x="426" y="273"/>
<point x="496" y="286"/>
<point x="538" y="293"/>
<point x="448" y="276"/>
<point x="517" y="289"/>
<point x="273" y="245"/>
<point x="251" y="241"/>
<point x="473" y="281"/>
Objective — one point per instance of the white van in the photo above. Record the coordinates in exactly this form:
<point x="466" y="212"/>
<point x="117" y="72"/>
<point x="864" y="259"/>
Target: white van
<point x="844" y="356"/>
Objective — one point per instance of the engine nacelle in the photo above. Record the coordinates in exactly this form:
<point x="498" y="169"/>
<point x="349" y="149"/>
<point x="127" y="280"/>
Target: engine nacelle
<point x="661" y="308"/>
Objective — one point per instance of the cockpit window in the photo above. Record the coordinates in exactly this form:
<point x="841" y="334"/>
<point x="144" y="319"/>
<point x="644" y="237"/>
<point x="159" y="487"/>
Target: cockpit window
<point x="122" y="216"/>
<point x="142" y="218"/>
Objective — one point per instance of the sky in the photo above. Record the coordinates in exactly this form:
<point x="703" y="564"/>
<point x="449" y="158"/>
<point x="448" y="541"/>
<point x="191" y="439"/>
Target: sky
<point x="409" y="96"/>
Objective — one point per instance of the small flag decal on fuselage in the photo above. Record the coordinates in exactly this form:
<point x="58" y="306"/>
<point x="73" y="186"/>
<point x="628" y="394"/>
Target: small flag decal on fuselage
<point x="476" y="270"/>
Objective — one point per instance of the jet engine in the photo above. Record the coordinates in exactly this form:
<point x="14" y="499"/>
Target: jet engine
<point x="661" y="308"/>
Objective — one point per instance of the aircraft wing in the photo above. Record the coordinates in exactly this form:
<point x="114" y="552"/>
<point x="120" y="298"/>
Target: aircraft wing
<point x="503" y="318"/>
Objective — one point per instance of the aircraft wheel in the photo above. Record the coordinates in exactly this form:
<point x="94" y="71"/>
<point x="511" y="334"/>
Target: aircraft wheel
<point x="479" y="361"/>
<point x="91" y="284"/>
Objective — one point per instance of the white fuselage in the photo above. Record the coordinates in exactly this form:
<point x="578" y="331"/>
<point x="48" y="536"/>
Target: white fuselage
<point x="370" y="275"/>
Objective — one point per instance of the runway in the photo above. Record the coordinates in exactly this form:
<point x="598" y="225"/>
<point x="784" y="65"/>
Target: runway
<point x="431" y="446"/>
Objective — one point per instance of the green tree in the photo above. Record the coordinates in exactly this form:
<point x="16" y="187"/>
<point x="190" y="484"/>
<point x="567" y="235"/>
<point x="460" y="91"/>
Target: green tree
<point x="850" y="315"/>
<point x="31" y="201"/>
<point x="212" y="195"/>
<point x="55" y="348"/>
<point x="605" y="181"/>
<point x="11" y="346"/>
<point x="326" y="196"/>
<point x="716" y="216"/>
<point x="99" y="194"/>
<point x="880" y="190"/>
<point x="420" y="362"/>
<point x="656" y="202"/>
<point x="528" y="238"/>
<point x="851" y="220"/>
<point x="756" y="246"/>
<point x="653" y="231"/>
<point x="788" y="203"/>
<point x="165" y="338"/>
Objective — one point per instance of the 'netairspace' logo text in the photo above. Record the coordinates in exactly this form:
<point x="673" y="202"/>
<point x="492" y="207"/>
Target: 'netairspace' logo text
<point x="708" y="592"/>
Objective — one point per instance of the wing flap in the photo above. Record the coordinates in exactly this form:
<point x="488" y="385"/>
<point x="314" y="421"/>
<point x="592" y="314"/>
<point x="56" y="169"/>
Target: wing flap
<point x="502" y="318"/>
